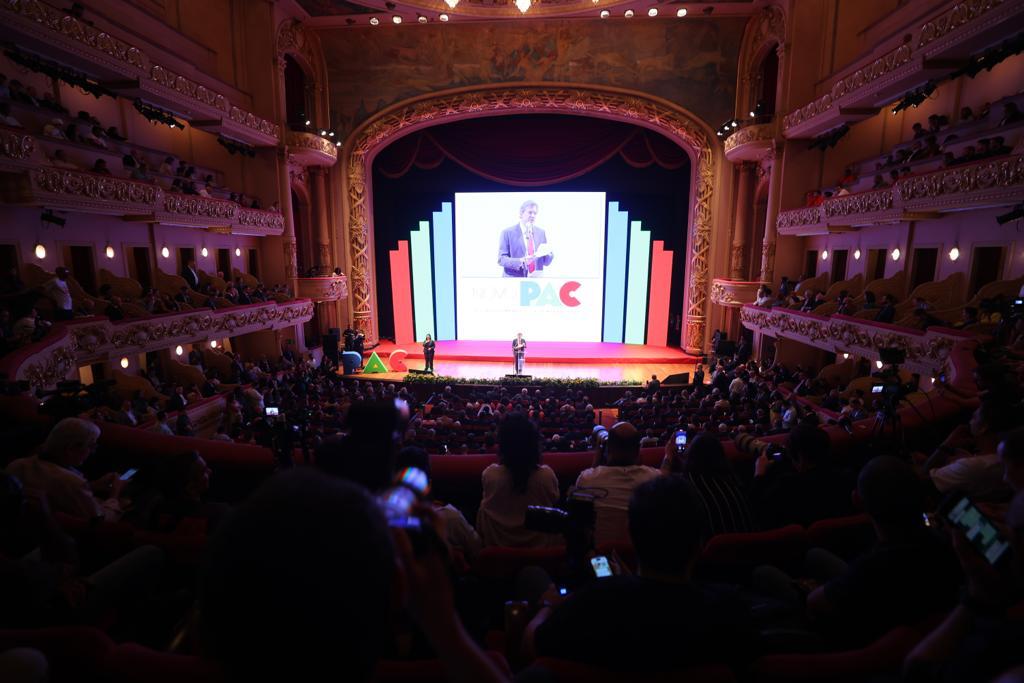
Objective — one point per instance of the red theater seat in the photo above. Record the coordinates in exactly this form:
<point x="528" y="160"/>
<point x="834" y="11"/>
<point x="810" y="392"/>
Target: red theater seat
<point x="847" y="537"/>
<point x="504" y="563"/>
<point x="734" y="555"/>
<point x="424" y="671"/>
<point x="566" y="671"/>
<point x="131" y="663"/>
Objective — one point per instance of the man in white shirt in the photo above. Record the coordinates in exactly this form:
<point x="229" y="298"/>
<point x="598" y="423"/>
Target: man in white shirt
<point x="57" y="290"/>
<point x="615" y="474"/>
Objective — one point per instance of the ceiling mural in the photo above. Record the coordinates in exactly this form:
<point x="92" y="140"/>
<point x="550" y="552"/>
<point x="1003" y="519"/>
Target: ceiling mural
<point x="691" y="63"/>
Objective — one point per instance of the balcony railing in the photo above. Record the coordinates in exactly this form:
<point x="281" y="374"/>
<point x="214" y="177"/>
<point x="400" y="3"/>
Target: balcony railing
<point x="320" y="289"/>
<point x="310" y="149"/>
<point x="998" y="181"/>
<point x="93" y="340"/>
<point x="126" y="68"/>
<point x="927" y="352"/>
<point x="751" y="142"/>
<point x="955" y="31"/>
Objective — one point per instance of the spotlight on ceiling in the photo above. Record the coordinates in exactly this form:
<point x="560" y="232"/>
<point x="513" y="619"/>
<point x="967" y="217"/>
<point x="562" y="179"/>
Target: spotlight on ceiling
<point x="681" y="12"/>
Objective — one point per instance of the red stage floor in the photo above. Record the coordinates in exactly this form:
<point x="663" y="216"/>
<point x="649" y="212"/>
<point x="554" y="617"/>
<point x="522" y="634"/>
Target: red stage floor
<point x="575" y="353"/>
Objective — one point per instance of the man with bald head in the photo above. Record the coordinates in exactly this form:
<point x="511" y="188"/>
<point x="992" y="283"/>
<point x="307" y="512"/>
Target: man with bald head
<point x="614" y="476"/>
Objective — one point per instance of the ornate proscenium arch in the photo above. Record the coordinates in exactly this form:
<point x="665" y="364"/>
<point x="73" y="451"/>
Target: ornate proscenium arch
<point x="660" y="115"/>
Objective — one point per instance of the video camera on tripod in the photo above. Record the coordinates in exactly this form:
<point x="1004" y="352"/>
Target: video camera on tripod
<point x="889" y="389"/>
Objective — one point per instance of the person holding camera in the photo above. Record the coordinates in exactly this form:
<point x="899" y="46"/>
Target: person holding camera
<point x="616" y="473"/>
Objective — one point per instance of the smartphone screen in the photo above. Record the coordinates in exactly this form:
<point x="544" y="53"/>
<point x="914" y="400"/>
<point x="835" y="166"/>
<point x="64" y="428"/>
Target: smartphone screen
<point x="129" y="474"/>
<point x="272" y="411"/>
<point x="414" y="478"/>
<point x="601" y="567"/>
<point x="680" y="440"/>
<point x="978" y="529"/>
<point x="876" y="389"/>
<point x="563" y="590"/>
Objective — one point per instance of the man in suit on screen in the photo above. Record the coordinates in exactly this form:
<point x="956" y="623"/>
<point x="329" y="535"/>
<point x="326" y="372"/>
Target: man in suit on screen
<point x="523" y="249"/>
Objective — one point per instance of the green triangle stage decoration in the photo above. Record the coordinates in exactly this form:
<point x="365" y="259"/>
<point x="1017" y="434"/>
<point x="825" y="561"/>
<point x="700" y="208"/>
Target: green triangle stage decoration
<point x="374" y="365"/>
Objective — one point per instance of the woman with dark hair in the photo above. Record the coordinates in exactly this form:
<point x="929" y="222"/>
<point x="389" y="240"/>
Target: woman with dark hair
<point x="518" y="480"/>
<point x="705" y="465"/>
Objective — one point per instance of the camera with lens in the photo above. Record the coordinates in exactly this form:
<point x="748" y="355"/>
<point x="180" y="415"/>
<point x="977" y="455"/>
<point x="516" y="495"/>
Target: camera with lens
<point x="889" y="390"/>
<point x="575" y="523"/>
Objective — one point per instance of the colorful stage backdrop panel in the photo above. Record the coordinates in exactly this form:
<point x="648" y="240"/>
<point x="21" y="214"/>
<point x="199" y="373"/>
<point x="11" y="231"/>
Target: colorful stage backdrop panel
<point x="605" y="279"/>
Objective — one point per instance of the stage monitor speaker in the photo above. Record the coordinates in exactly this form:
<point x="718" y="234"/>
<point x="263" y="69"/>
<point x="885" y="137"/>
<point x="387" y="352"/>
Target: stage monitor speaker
<point x="725" y="348"/>
<point x="678" y="379"/>
<point x="330" y="344"/>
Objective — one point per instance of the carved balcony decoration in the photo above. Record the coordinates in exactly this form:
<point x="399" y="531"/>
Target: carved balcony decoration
<point x="958" y="29"/>
<point x="733" y="293"/>
<point x="258" y="222"/>
<point x="193" y="210"/>
<point x="309" y="149"/>
<point x="320" y="289"/>
<point x="991" y="182"/>
<point x="51" y="32"/>
<point x="750" y="143"/>
<point x="61" y="188"/>
<point x="16" y="148"/>
<point x="927" y="352"/>
<point x="94" y="340"/>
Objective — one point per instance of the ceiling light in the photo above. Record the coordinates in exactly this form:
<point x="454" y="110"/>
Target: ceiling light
<point x="628" y="14"/>
<point x="896" y="254"/>
<point x="165" y="252"/>
<point x="178" y="350"/>
<point x="422" y="19"/>
<point x="323" y="131"/>
<point x="653" y="12"/>
<point x="238" y="252"/>
<point x="856" y="255"/>
<point x="878" y="364"/>
<point x="443" y="17"/>
<point x="40" y="251"/>
<point x="824" y="255"/>
<point x="605" y="14"/>
<point x="846" y="356"/>
<point x="213" y="343"/>
<point x="307" y="120"/>
<point x="681" y="12"/>
<point x="752" y="114"/>
<point x="124" y="362"/>
<point x="338" y="143"/>
<point x="331" y="134"/>
<point x="451" y="3"/>
<point x="396" y="19"/>
<point x="954" y="254"/>
<point x="373" y="22"/>
<point x="205" y="252"/>
<point x="523" y="5"/>
<point x="109" y="251"/>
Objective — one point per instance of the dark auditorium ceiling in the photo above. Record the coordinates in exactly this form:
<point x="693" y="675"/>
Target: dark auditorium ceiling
<point x="340" y="13"/>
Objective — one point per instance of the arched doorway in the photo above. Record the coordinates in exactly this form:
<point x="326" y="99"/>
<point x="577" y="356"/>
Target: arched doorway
<point x="675" y="123"/>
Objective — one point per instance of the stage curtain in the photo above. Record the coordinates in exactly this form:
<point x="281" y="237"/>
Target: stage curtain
<point x="529" y="150"/>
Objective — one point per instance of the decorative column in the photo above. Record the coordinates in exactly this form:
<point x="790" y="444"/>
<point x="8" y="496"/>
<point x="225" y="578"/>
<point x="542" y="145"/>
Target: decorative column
<point x="321" y="227"/>
<point x="744" y="208"/>
<point x="285" y="197"/>
<point x="770" y="218"/>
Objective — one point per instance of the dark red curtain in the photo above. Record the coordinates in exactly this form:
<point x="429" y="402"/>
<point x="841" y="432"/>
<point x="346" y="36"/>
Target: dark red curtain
<point x="529" y="150"/>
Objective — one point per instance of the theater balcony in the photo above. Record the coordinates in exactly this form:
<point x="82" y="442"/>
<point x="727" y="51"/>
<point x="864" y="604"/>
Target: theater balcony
<point x="992" y="182"/>
<point x="750" y="143"/>
<point x="733" y="293"/>
<point x="928" y="352"/>
<point x="321" y="289"/>
<point x="926" y="48"/>
<point x="96" y="339"/>
<point x="310" y="149"/>
<point x="128" y="70"/>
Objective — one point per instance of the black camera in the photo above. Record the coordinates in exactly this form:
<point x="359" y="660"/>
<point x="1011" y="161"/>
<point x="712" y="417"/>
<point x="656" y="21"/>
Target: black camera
<point x="575" y="523"/>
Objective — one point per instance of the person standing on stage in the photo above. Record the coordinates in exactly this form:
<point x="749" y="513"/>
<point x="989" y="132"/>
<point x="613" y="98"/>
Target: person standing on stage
<point x="518" y="353"/>
<point x="523" y="249"/>
<point x="428" y="355"/>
